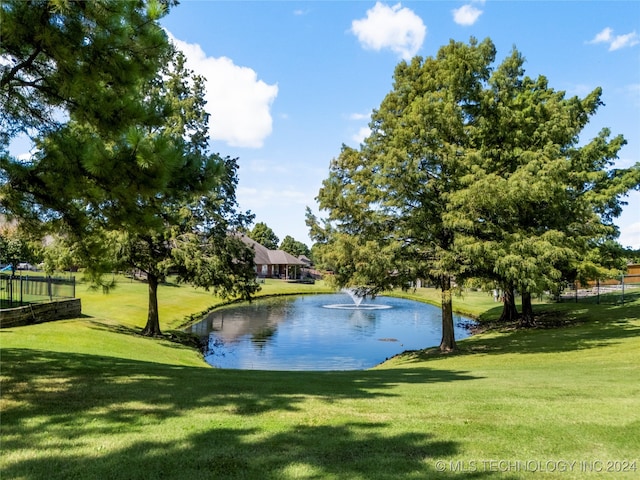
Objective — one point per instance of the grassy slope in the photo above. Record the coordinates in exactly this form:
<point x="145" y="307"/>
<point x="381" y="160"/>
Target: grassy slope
<point x="86" y="399"/>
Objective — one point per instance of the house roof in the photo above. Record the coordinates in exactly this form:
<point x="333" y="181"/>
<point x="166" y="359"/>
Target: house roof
<point x="305" y="259"/>
<point x="280" y="257"/>
<point x="262" y="253"/>
<point x="264" y="256"/>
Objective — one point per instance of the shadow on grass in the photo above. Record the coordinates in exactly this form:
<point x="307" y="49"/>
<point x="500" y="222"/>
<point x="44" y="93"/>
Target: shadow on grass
<point x="568" y="310"/>
<point x="559" y="334"/>
<point x="115" y="328"/>
<point x="175" y="338"/>
<point x="59" y="405"/>
<point x="337" y="452"/>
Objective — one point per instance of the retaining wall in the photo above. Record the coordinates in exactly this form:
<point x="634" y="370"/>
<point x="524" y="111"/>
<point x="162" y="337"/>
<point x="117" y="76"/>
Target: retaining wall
<point x="40" y="312"/>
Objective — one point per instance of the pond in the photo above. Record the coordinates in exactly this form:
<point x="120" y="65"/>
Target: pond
<point x="320" y="332"/>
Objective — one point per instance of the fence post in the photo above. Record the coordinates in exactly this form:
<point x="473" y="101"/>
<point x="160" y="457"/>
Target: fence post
<point x="598" y="285"/>
<point x="21" y="291"/>
<point x="622" y="281"/>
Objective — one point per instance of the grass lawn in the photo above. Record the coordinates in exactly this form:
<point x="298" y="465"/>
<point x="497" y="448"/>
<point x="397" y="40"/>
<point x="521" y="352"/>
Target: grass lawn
<point x="87" y="399"/>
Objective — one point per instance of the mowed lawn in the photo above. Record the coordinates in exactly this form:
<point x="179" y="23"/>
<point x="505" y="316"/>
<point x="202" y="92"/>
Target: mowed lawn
<point x="87" y="398"/>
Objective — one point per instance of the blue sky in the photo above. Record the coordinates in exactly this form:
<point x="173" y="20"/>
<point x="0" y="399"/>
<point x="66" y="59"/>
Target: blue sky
<point x="290" y="82"/>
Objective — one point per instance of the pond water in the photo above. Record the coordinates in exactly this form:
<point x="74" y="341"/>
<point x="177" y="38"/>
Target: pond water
<point x="320" y="332"/>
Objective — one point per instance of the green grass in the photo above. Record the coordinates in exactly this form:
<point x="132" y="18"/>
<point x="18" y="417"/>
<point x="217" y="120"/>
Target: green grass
<point x="86" y="399"/>
<point x="126" y="305"/>
<point x="470" y="303"/>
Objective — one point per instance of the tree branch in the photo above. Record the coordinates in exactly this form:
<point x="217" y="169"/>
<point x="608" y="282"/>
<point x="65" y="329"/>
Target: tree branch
<point x="12" y="73"/>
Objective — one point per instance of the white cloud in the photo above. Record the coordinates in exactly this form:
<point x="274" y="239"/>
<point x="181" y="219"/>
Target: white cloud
<point x="616" y="42"/>
<point x="603" y="37"/>
<point x="238" y="102"/>
<point x="466" y="15"/>
<point x="395" y="28"/>
<point x="621" y="41"/>
<point x="360" y="116"/>
<point x="265" y="166"/>
<point x="363" y="133"/>
<point x="630" y="235"/>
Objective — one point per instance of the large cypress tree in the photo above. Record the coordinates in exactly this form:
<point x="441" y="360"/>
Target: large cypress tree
<point x="534" y="204"/>
<point x="472" y="171"/>
<point x="395" y="189"/>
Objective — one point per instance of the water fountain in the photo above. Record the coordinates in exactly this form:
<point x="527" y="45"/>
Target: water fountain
<point x="357" y="302"/>
<point x="357" y="299"/>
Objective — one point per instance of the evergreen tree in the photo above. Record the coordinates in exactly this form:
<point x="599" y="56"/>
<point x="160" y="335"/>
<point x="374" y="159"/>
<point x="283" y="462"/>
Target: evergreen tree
<point x="294" y="247"/>
<point x="387" y="200"/>
<point x="121" y="170"/>
<point x="472" y="172"/>
<point x="183" y="224"/>
<point x="72" y="84"/>
<point x="262" y="234"/>
<point x="533" y="204"/>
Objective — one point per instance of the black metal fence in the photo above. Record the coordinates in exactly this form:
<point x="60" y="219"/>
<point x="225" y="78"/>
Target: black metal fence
<point x="17" y="290"/>
<point x="611" y="291"/>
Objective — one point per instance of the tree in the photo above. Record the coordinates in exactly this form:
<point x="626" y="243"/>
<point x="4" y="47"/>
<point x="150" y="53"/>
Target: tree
<point x="472" y="171"/>
<point x="121" y="170"/>
<point x="534" y="203"/>
<point x="262" y="234"/>
<point x="392" y="193"/>
<point x="71" y="82"/>
<point x="71" y="58"/>
<point x="16" y="248"/>
<point x="294" y="247"/>
<point x="182" y="226"/>
<point x="59" y="255"/>
<point x="632" y="256"/>
<point x="195" y="243"/>
<point x="187" y="228"/>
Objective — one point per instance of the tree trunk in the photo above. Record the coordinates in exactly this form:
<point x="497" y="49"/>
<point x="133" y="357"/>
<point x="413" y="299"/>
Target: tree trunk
<point x="152" y="328"/>
<point x="527" y="319"/>
<point x="448" y="342"/>
<point x="509" y="310"/>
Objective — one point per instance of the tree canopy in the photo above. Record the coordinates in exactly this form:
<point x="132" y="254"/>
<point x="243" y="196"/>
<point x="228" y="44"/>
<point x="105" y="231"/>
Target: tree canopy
<point x="294" y="247"/>
<point x="15" y="248"/>
<point x="121" y="170"/>
<point x="263" y="234"/>
<point x="471" y="171"/>
<point x="71" y="83"/>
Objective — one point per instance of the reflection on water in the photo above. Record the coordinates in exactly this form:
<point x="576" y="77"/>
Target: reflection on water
<point x="298" y="333"/>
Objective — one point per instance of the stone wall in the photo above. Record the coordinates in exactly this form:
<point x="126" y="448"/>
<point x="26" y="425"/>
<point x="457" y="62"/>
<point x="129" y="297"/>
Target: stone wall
<point x="40" y="312"/>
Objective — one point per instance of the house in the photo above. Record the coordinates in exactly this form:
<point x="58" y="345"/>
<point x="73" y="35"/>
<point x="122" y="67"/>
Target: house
<point x="631" y="276"/>
<point x="306" y="260"/>
<point x="274" y="263"/>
